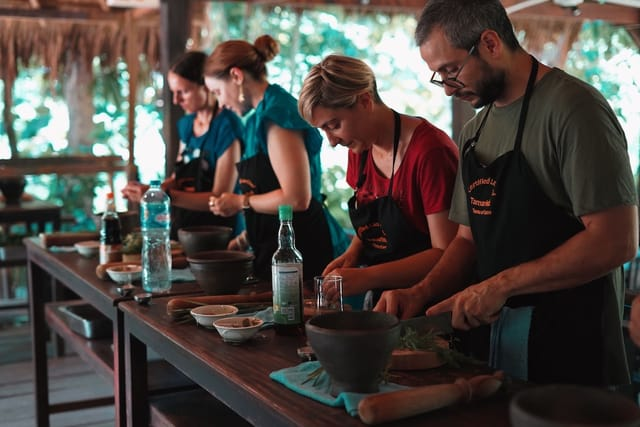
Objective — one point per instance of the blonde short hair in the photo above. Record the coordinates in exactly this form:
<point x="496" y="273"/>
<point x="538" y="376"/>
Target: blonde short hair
<point x="336" y="82"/>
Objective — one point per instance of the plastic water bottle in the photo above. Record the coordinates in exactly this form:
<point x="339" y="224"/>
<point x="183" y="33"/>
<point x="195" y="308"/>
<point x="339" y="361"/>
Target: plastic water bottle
<point x="110" y="237"/>
<point x="286" y="275"/>
<point x="155" y="222"/>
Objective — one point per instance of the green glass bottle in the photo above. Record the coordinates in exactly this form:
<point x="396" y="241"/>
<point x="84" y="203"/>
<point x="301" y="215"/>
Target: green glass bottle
<point x="286" y="275"/>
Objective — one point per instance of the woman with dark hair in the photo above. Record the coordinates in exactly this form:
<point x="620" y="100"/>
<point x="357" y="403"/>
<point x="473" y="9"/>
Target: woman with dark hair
<point x="210" y="146"/>
<point x="281" y="161"/>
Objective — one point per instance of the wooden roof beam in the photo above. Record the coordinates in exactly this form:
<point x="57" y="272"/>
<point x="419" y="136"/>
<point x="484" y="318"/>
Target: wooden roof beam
<point x="614" y="14"/>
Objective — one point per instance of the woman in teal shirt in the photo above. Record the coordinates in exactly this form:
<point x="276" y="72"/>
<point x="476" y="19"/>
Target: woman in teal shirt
<point x="281" y="161"/>
<point x="210" y="145"/>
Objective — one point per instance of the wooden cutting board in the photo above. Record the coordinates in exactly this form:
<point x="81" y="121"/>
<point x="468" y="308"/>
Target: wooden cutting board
<point x="412" y="360"/>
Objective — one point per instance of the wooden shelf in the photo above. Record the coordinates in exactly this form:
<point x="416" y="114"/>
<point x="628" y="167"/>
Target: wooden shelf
<point x="98" y="354"/>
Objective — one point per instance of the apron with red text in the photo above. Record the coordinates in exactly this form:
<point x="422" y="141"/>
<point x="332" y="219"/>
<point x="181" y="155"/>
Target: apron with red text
<point x="386" y="233"/>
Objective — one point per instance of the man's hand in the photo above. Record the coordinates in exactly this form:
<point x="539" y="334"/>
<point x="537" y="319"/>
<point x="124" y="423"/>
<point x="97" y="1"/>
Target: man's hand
<point x="476" y="305"/>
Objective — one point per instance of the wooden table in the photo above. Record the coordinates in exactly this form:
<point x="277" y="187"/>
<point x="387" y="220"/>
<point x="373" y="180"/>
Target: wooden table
<point x="239" y="376"/>
<point x="36" y="216"/>
<point x="31" y="212"/>
<point x="49" y="269"/>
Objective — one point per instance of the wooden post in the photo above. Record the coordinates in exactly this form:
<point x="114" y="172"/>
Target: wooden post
<point x="174" y="31"/>
<point x="132" y="53"/>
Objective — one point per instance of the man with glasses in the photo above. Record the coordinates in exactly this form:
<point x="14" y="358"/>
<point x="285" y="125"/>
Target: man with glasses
<point x="546" y="203"/>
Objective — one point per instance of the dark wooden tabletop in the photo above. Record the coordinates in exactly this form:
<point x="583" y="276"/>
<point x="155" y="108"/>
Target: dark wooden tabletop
<point x="238" y="375"/>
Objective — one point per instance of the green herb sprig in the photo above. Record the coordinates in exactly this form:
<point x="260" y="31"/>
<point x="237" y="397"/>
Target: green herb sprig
<point x="431" y="341"/>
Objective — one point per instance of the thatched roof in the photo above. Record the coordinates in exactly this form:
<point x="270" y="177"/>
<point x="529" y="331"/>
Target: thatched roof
<point x="54" y="31"/>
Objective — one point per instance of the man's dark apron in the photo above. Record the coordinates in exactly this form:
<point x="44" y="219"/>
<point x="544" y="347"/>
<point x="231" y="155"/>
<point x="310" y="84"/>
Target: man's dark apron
<point x="513" y="221"/>
<point x="196" y="175"/>
<point x="386" y="233"/>
<point x="312" y="235"/>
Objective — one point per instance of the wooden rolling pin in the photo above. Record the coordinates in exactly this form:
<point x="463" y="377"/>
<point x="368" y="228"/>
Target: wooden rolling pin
<point x="101" y="269"/>
<point x="176" y="305"/>
<point x="61" y="238"/>
<point x="395" y="405"/>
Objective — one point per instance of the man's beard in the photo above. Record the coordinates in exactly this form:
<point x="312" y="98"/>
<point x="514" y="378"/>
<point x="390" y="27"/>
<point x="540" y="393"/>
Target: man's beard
<point x="490" y="87"/>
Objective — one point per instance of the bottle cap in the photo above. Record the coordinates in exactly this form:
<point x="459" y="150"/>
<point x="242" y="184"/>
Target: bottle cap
<point x="285" y="212"/>
<point x="109" y="196"/>
<point x="154" y="183"/>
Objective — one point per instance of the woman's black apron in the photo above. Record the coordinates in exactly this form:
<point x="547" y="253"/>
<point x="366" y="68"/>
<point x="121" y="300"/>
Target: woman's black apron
<point x="513" y="221"/>
<point x="196" y="175"/>
<point x="386" y="233"/>
<point x="313" y="240"/>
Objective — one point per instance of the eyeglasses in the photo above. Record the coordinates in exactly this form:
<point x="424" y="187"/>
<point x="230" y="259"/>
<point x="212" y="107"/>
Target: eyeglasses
<point x="453" y="80"/>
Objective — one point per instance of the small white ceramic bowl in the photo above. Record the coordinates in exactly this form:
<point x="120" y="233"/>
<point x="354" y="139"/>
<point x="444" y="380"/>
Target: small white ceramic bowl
<point x="88" y="248"/>
<point x="205" y="315"/>
<point x="125" y="273"/>
<point x="237" y="329"/>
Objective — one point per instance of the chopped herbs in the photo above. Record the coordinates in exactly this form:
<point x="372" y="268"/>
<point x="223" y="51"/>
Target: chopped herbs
<point x="430" y="341"/>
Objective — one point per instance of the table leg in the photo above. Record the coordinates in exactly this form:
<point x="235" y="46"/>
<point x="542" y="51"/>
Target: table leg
<point x="57" y="294"/>
<point x="136" y="385"/>
<point x="36" y="279"/>
<point x="119" y="374"/>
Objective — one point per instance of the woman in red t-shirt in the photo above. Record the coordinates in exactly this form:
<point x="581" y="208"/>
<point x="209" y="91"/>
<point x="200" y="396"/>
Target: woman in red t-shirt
<point x="402" y="170"/>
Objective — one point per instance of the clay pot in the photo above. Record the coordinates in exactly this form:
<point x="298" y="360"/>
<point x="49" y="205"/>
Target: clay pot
<point x="221" y="272"/>
<point x="202" y="238"/>
<point x="353" y="347"/>
<point x="574" y="406"/>
<point x="12" y="188"/>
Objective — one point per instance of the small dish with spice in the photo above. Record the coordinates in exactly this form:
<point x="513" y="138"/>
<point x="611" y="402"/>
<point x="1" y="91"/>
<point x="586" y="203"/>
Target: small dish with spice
<point x="238" y="329"/>
<point x="205" y="315"/>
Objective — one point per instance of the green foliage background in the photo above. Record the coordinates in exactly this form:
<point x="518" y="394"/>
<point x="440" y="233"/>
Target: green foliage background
<point x="604" y="56"/>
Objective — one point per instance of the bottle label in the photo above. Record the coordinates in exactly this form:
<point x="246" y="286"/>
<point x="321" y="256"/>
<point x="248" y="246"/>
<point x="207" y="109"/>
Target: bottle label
<point x="287" y="300"/>
<point x="155" y="215"/>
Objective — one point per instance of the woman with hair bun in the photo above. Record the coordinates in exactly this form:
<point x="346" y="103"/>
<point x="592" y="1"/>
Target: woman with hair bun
<point x="280" y="164"/>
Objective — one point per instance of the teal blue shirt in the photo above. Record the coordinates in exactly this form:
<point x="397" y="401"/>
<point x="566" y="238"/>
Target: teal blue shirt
<point x="281" y="108"/>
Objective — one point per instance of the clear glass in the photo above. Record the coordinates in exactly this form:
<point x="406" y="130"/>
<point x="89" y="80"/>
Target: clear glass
<point x="328" y="293"/>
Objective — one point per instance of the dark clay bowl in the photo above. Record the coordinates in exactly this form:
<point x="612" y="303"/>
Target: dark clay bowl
<point x="202" y="238"/>
<point x="572" y="406"/>
<point x="353" y="347"/>
<point x="221" y="272"/>
<point x="12" y="189"/>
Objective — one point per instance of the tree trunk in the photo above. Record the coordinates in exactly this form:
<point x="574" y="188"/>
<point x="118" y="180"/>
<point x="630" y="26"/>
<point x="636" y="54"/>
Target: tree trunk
<point x="78" y="92"/>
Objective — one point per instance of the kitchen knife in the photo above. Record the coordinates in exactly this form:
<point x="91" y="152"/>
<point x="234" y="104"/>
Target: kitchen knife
<point x="439" y="324"/>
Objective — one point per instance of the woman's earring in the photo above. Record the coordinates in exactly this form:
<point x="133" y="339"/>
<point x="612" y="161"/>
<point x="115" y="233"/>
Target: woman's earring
<point x="241" y="96"/>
